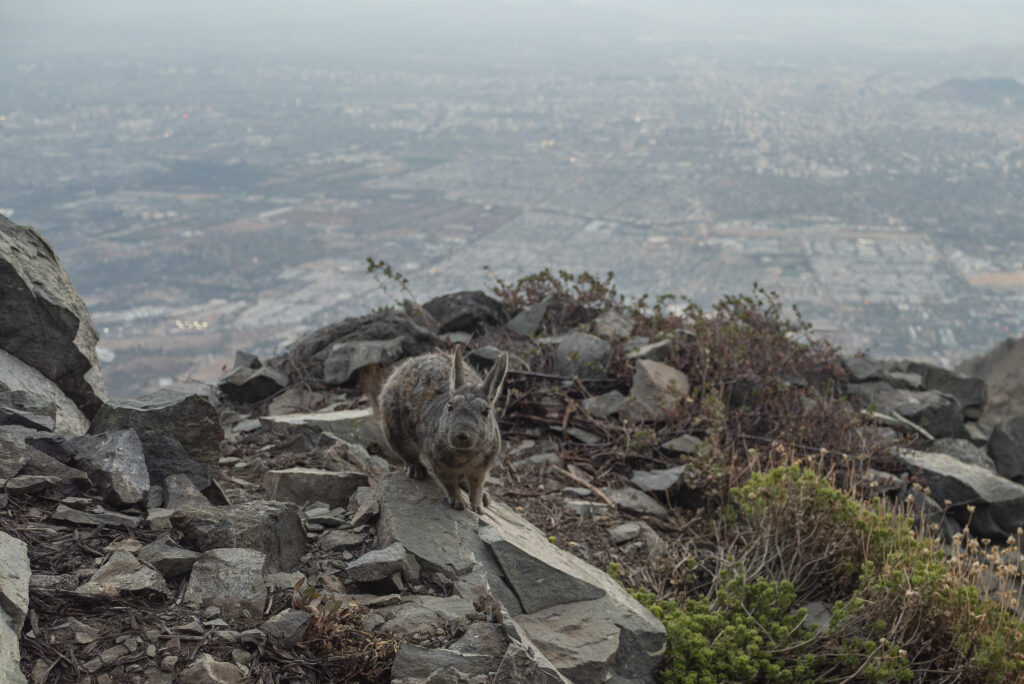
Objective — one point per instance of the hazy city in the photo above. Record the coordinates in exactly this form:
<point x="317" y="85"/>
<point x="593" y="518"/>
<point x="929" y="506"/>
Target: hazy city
<point x="204" y="200"/>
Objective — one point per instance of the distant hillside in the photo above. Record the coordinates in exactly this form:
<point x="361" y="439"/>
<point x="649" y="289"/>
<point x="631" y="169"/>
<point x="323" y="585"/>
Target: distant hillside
<point x="1003" y="370"/>
<point x="979" y="91"/>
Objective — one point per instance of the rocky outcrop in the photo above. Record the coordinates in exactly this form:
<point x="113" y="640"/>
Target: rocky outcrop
<point x="44" y="321"/>
<point x="17" y="376"/>
<point x="1002" y="369"/>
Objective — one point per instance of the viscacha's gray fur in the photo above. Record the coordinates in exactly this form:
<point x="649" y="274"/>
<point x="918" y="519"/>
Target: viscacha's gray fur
<point x="435" y="407"/>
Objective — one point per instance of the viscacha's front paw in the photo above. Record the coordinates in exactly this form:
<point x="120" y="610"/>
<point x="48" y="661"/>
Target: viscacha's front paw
<point x="457" y="502"/>
<point x="486" y="499"/>
<point x="417" y="471"/>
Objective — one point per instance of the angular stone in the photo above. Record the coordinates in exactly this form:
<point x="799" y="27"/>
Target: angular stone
<point x="339" y="540"/>
<point x="683" y="444"/>
<point x="1006" y="447"/>
<point x="587" y="508"/>
<point x="482" y="358"/>
<point x="620" y="534"/>
<point x="116" y="465"/>
<point x="168" y="558"/>
<point x="978" y="432"/>
<point x="465" y="311"/>
<point x="345" y="358"/>
<point x="95" y="519"/>
<point x="939" y="414"/>
<point x="427" y="615"/>
<point x="416" y="663"/>
<point x="270" y="527"/>
<point x="612" y="325"/>
<point x="22" y="459"/>
<point x="379" y="564"/>
<point x="521" y="666"/>
<point x="963" y="450"/>
<point x="605" y="405"/>
<point x="654" y="351"/>
<point x="244" y="359"/>
<point x="634" y="501"/>
<point x="207" y="670"/>
<point x="287" y="627"/>
<point x="656" y="393"/>
<point x="364" y="505"/>
<point x="44" y="321"/>
<point x="10" y="654"/>
<point x="972" y="393"/>
<point x="187" y="416"/>
<point x="231" y="579"/>
<point x="124" y="575"/>
<point x="28" y="409"/>
<point x="305" y="485"/>
<point x="248" y="385"/>
<point x="165" y="457"/>
<point x="180" y="490"/>
<point x="483" y="638"/>
<point x="999" y="503"/>
<point x="582" y="355"/>
<point x="353" y="425"/>
<point x="669" y="480"/>
<point x="528" y="321"/>
<point x="15" y="575"/>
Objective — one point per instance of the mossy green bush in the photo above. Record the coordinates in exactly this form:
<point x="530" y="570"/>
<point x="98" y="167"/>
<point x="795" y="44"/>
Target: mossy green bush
<point x="904" y="609"/>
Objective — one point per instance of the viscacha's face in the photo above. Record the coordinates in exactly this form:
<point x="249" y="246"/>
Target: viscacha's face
<point x="467" y="418"/>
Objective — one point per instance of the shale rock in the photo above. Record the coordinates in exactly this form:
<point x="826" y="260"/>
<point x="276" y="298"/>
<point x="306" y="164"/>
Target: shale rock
<point x="656" y="393"/>
<point x="466" y="311"/>
<point x="245" y="385"/>
<point x="305" y="485"/>
<point x="1006" y="447"/>
<point x="940" y="414"/>
<point x="231" y="579"/>
<point x="345" y="358"/>
<point x="116" y="464"/>
<point x="124" y="575"/>
<point x="270" y="527"/>
<point x="18" y="376"/>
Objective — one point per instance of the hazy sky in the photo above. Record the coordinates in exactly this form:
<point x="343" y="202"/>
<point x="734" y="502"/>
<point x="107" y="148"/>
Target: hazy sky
<point x="455" y="24"/>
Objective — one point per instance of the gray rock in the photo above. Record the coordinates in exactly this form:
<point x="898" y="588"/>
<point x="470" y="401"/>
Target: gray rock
<point x="605" y="405"/>
<point x="27" y="409"/>
<point x="521" y="666"/>
<point x="25" y="467"/>
<point x="963" y="450"/>
<point x="669" y="480"/>
<point x="244" y="359"/>
<point x="656" y="393"/>
<point x="270" y="527"/>
<point x="634" y="501"/>
<point x="287" y="627"/>
<point x="612" y="325"/>
<point x="95" y="519"/>
<point x="248" y="385"/>
<point x="179" y="491"/>
<point x="865" y="368"/>
<point x="305" y="485"/>
<point x="972" y="393"/>
<point x="165" y="456"/>
<point x="207" y="670"/>
<point x="187" y="416"/>
<point x="380" y="564"/>
<point x="999" y="502"/>
<point x="116" y="465"/>
<point x="582" y="355"/>
<point x="124" y="575"/>
<point x="938" y="413"/>
<point x="578" y="492"/>
<point x="654" y="351"/>
<point x="416" y="663"/>
<point x="483" y="638"/>
<point x="547" y="457"/>
<point x="352" y="425"/>
<point x="482" y="358"/>
<point x="44" y="321"/>
<point x="339" y="540"/>
<point x="1006" y="447"/>
<point x="346" y="358"/>
<point x="10" y="654"/>
<point x="587" y="508"/>
<point x="364" y="505"/>
<point x="15" y="575"/>
<point x="528" y="321"/>
<point x="683" y="444"/>
<point x="428" y="615"/>
<point x="624" y="532"/>
<point x="232" y="579"/>
<point x="466" y="311"/>
<point x="978" y="432"/>
<point x="169" y="559"/>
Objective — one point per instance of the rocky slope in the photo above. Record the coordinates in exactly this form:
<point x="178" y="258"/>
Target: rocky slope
<point x="256" y="531"/>
<point x="1002" y="369"/>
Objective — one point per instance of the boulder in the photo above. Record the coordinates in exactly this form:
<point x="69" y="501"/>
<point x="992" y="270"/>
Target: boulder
<point x="244" y="359"/>
<point x="466" y="311"/>
<point x="245" y="385"/>
<point x="656" y="392"/>
<point x="1006" y="447"/>
<point x="169" y="559"/>
<point x="306" y="485"/>
<point x="27" y="409"/>
<point x="684" y="444"/>
<point x="999" y="503"/>
<point x="288" y="627"/>
<point x="116" y="465"/>
<point x="124" y="575"/>
<point x="963" y="450"/>
<point x="624" y="532"/>
<point x="44" y="321"/>
<point x="231" y="579"/>
<point x="345" y="358"/>
<point x="380" y="564"/>
<point x="612" y="325"/>
<point x="581" y="355"/>
<point x="528" y="321"/>
<point x="25" y="468"/>
<point x="187" y="416"/>
<point x="972" y="393"/>
<point x="270" y="527"/>
<point x="18" y="376"/>
<point x="940" y="414"/>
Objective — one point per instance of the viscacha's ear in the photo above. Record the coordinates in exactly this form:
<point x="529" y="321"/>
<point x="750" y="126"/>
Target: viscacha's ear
<point x="458" y="374"/>
<point x="495" y="378"/>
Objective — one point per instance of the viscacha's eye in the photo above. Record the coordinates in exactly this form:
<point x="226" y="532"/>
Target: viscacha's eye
<point x="485" y="411"/>
<point x="450" y="406"/>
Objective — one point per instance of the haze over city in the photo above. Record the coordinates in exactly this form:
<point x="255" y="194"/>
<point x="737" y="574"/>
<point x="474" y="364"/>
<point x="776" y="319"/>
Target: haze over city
<point x="214" y="177"/>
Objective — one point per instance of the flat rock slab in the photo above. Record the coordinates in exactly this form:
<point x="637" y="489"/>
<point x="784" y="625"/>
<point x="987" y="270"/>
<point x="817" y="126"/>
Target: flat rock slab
<point x="116" y="464"/>
<point x="963" y="450"/>
<point x="270" y="527"/>
<point x="578" y="639"/>
<point x="352" y="425"/>
<point x="339" y="540"/>
<point x="124" y="575"/>
<point x="656" y="392"/>
<point x="15" y="574"/>
<point x="78" y="517"/>
<point x="187" y="415"/>
<point x="427" y="614"/>
<point x="999" y="502"/>
<point x="44" y="321"/>
<point x="168" y="558"/>
<point x="306" y="485"/>
<point x="246" y="385"/>
<point x="416" y="663"/>
<point x="669" y="480"/>
<point x="634" y="501"/>
<point x="379" y="564"/>
<point x="232" y="579"/>
<point x="287" y="627"/>
<point x="520" y="665"/>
